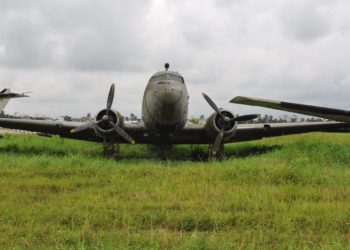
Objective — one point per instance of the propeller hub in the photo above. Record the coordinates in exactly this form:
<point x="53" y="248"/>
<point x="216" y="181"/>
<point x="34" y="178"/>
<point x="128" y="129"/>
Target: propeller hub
<point x="226" y="119"/>
<point x="105" y="118"/>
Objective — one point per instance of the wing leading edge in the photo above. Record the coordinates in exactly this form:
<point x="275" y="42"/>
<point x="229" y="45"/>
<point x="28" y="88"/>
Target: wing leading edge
<point x="191" y="134"/>
<point x="323" y="112"/>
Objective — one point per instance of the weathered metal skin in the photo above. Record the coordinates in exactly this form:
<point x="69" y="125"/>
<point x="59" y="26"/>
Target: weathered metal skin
<point x="165" y="102"/>
<point x="104" y="129"/>
<point x="214" y="124"/>
<point x="164" y="113"/>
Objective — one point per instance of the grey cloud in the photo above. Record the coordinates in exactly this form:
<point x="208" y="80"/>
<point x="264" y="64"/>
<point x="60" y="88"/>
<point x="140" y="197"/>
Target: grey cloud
<point x="307" y="19"/>
<point x="24" y="44"/>
<point x="69" y="52"/>
<point x="81" y="35"/>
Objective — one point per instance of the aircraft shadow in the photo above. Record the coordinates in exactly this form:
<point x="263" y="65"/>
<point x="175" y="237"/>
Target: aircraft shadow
<point x="147" y="152"/>
<point x="251" y="150"/>
<point x="198" y="153"/>
<point x="32" y="150"/>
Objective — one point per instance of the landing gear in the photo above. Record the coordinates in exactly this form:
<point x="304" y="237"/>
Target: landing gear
<point x="220" y="154"/>
<point x="226" y="124"/>
<point x="111" y="149"/>
<point x="216" y="154"/>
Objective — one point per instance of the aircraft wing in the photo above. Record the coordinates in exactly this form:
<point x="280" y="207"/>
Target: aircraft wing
<point x="13" y="95"/>
<point x="196" y="134"/>
<point x="191" y="134"/>
<point x="49" y="128"/>
<point x="63" y="129"/>
<point x="6" y="93"/>
<point x="246" y="132"/>
<point x="323" y="112"/>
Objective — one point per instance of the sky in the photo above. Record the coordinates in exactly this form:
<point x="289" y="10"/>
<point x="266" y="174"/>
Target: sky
<point x="68" y="52"/>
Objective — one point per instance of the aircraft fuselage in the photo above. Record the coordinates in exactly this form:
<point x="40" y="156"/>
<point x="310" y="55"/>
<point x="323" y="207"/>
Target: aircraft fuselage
<point x="165" y="102"/>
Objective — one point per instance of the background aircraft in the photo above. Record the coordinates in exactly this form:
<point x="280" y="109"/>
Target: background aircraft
<point x="164" y="121"/>
<point x="323" y="112"/>
<point x="6" y="95"/>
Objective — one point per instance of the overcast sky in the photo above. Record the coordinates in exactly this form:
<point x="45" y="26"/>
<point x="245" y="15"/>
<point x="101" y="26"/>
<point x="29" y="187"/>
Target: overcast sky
<point x="68" y="52"/>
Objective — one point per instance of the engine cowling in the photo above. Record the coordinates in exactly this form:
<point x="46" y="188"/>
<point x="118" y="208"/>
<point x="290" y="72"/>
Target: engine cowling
<point x="215" y="123"/>
<point x="109" y="123"/>
<point x="104" y="128"/>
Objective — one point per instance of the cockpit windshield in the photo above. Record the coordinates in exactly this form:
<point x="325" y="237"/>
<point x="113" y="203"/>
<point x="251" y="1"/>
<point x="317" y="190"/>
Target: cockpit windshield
<point x="167" y="76"/>
<point x="159" y="78"/>
<point x="175" y="78"/>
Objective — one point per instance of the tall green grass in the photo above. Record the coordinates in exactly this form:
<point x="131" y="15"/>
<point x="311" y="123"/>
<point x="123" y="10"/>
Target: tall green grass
<point x="288" y="192"/>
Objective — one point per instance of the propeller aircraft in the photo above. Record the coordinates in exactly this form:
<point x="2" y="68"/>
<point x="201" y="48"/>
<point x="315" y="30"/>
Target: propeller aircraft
<point x="164" y="122"/>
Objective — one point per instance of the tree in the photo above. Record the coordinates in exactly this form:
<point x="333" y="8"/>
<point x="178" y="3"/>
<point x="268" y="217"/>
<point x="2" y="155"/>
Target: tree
<point x="194" y="120"/>
<point x="67" y="118"/>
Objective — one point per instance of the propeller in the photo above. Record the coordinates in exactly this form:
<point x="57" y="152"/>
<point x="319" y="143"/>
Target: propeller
<point x="106" y="119"/>
<point x="225" y="121"/>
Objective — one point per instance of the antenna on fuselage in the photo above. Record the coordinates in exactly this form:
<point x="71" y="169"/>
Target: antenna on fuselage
<point x="166" y="65"/>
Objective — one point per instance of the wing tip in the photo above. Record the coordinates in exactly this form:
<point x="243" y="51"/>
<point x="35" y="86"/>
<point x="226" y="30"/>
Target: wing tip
<point x="238" y="99"/>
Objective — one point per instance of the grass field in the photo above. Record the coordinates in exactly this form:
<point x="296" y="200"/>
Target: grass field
<point x="290" y="192"/>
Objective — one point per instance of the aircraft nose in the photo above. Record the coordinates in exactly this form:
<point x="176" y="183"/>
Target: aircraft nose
<point x="169" y="95"/>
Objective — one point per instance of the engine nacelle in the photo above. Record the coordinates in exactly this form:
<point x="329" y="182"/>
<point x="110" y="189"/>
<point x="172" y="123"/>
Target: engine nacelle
<point x="104" y="128"/>
<point x="215" y="123"/>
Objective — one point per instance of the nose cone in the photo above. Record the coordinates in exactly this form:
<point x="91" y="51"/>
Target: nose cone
<point x="165" y="103"/>
<point x="164" y="106"/>
<point x="169" y="95"/>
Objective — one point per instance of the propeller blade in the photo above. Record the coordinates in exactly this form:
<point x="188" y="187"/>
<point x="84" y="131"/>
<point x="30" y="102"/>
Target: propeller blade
<point x="84" y="127"/>
<point x="212" y="104"/>
<point x="245" y="117"/>
<point x="218" y="139"/>
<point x="122" y="133"/>
<point x="110" y="98"/>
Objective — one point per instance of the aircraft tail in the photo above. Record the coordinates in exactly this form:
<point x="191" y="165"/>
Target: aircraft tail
<point x="3" y="103"/>
<point x="6" y="95"/>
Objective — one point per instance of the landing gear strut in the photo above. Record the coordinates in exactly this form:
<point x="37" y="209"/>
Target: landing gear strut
<point x="214" y="154"/>
<point x="111" y="149"/>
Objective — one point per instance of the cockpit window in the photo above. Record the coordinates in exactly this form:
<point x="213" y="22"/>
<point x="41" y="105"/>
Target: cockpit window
<point x="175" y="78"/>
<point x="167" y="76"/>
<point x="159" y="78"/>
